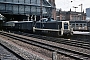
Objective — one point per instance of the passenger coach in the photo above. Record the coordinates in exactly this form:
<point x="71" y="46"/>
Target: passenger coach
<point x="82" y="25"/>
<point x="26" y="26"/>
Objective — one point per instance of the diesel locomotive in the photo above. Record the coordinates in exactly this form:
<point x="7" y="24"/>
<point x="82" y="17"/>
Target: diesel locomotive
<point x="53" y="27"/>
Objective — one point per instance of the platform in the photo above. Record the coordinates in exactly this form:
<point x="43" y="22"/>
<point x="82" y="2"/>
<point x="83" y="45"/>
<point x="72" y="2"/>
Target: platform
<point x="81" y="33"/>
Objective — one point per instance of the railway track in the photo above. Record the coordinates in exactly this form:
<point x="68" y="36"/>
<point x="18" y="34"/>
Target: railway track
<point x="8" y="54"/>
<point x="52" y="47"/>
<point x="19" y="49"/>
<point x="76" y="43"/>
<point x="81" y="37"/>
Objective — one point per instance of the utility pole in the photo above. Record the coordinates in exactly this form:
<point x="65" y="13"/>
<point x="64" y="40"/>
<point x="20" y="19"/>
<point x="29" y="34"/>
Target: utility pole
<point x="81" y="10"/>
<point x="81" y="6"/>
<point x="41" y="8"/>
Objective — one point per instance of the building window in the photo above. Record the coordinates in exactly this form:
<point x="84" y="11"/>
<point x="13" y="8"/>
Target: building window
<point x="63" y="17"/>
<point x="84" y="24"/>
<point x="73" y="25"/>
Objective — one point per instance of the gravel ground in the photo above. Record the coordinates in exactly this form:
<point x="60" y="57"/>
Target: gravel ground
<point x="6" y="55"/>
<point x="26" y="53"/>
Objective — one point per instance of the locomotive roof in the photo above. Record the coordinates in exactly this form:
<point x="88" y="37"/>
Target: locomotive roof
<point x="46" y="20"/>
<point x="49" y="20"/>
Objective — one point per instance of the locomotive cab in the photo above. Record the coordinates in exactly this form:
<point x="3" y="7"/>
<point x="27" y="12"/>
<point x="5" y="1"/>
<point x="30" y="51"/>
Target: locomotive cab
<point x="67" y="28"/>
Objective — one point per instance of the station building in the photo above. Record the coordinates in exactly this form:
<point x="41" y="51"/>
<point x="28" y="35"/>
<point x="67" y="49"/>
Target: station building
<point x="70" y="15"/>
<point x="18" y="10"/>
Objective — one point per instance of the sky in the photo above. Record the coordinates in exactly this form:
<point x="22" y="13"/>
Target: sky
<point x="65" y="5"/>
